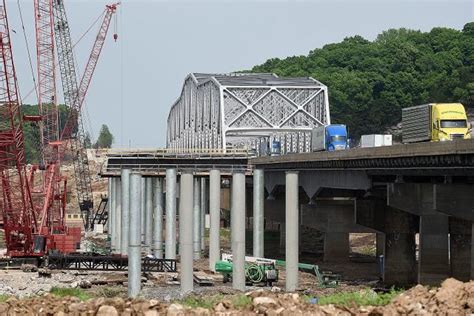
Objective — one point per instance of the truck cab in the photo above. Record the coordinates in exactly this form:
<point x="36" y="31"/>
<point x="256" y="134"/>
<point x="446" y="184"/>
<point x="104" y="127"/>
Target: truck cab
<point x="336" y="137"/>
<point x="449" y="122"/>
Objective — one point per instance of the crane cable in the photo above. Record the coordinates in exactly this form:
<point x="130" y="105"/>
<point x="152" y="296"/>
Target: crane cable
<point x="35" y="88"/>
<point x="90" y="28"/>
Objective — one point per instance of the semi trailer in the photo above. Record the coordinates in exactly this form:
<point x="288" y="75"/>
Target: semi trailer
<point x="434" y="122"/>
<point x="330" y="137"/>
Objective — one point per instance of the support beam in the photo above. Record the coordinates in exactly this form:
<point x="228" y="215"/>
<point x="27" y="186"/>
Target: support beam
<point x="258" y="210"/>
<point x="433" y="265"/>
<point x="148" y="214"/>
<point x="134" y="247"/>
<point x="125" y="179"/>
<point x="185" y="238"/>
<point x="197" y="219"/>
<point x="215" y="217"/>
<point x="292" y="230"/>
<point x="170" y="241"/>
<point x="237" y="221"/>
<point x="158" y="218"/>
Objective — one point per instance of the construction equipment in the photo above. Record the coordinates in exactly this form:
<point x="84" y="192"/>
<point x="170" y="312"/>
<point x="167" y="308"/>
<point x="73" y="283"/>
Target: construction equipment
<point x="326" y="279"/>
<point x="74" y="95"/>
<point x="257" y="270"/>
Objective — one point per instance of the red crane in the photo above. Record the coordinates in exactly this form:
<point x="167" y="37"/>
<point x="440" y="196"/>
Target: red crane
<point x="19" y="219"/>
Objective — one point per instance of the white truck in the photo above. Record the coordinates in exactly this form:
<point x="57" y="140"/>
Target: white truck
<point x="375" y="140"/>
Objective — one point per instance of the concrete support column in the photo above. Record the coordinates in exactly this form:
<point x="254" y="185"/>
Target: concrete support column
<point x="292" y="229"/>
<point x="197" y="219"/>
<point x="148" y="214"/>
<point x="433" y="265"/>
<point x="158" y="218"/>
<point x="472" y="251"/>
<point x="125" y="179"/>
<point x="215" y="217"/>
<point x="400" y="248"/>
<point x="185" y="238"/>
<point x="111" y="212"/>
<point x="134" y="246"/>
<point x="460" y="248"/>
<point x="118" y="215"/>
<point x="170" y="240"/>
<point x="237" y="222"/>
<point x="143" y="210"/>
<point x="204" y="211"/>
<point x="258" y="212"/>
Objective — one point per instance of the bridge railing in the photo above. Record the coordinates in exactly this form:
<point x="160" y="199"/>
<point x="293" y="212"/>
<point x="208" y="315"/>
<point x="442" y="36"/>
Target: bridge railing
<point x="182" y="152"/>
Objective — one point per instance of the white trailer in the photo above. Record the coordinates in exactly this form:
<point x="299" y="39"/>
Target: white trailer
<point x="318" y="138"/>
<point x="375" y="140"/>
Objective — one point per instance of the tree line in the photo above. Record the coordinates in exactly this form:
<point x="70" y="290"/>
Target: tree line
<point x="369" y="82"/>
<point x="32" y="133"/>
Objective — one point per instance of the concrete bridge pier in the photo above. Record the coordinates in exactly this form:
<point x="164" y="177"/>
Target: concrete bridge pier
<point x="170" y="240"/>
<point x="433" y="266"/>
<point x="460" y="236"/>
<point x="134" y="246"/>
<point x="148" y="215"/>
<point x="258" y="212"/>
<point x="158" y="218"/>
<point x="215" y="216"/>
<point x="143" y="210"/>
<point x="125" y="179"/>
<point x="395" y="239"/>
<point x="237" y="222"/>
<point x="197" y="219"/>
<point x="292" y="230"/>
<point x="185" y="238"/>
<point x="336" y="237"/>
<point x="204" y="211"/>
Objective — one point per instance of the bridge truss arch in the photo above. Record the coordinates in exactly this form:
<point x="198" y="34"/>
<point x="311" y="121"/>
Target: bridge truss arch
<point x="244" y="111"/>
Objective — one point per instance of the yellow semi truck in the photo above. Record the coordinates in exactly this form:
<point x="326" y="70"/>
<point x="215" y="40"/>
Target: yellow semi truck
<point x="435" y="122"/>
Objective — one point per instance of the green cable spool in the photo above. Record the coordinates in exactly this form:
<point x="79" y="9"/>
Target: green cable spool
<point x="254" y="273"/>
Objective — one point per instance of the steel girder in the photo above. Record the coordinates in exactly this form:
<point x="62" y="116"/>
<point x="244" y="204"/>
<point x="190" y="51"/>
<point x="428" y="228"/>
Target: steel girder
<point x="210" y="115"/>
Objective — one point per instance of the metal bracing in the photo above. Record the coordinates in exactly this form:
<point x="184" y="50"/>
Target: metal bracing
<point x="244" y="110"/>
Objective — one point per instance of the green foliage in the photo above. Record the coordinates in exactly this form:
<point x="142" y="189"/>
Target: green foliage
<point x="62" y="292"/>
<point x="4" y="298"/>
<point x="365" y="297"/>
<point x="241" y="301"/>
<point x="87" y="141"/>
<point x="32" y="131"/>
<point x="105" y="138"/>
<point x="371" y="81"/>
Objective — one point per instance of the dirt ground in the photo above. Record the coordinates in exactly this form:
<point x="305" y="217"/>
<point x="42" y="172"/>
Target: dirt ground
<point x="452" y="298"/>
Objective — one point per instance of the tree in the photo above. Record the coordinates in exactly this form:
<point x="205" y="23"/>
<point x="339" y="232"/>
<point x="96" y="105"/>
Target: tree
<point x="105" y="138"/>
<point x="370" y="82"/>
<point x="87" y="141"/>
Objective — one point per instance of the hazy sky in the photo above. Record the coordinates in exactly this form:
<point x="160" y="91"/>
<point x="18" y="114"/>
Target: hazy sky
<point x="160" y="42"/>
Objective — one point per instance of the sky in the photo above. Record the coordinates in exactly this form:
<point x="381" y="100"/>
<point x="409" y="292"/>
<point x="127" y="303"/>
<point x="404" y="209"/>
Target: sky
<point x="161" y="41"/>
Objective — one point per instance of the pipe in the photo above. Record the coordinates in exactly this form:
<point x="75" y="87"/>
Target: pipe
<point x="170" y="241"/>
<point x="134" y="246"/>
<point x="215" y="217"/>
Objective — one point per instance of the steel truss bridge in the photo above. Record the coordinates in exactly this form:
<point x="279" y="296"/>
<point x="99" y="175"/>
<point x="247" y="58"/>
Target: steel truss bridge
<point x="229" y="111"/>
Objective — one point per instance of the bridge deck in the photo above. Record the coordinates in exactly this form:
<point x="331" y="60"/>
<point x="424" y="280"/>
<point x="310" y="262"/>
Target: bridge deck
<point x="454" y="155"/>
